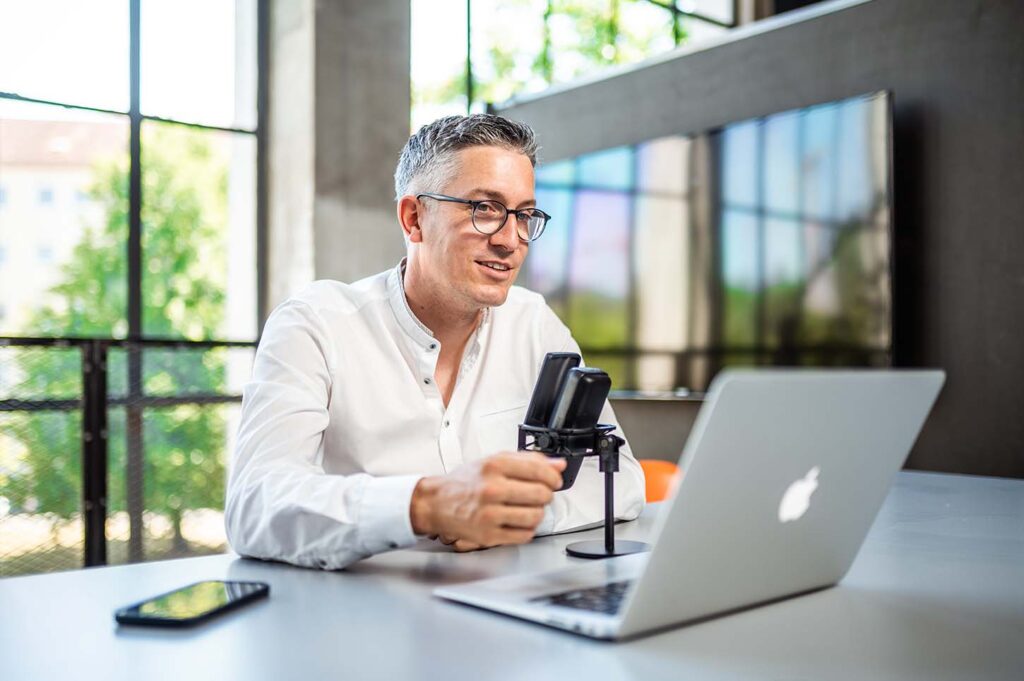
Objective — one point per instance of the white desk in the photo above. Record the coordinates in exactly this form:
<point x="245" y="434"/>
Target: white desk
<point x="937" y="592"/>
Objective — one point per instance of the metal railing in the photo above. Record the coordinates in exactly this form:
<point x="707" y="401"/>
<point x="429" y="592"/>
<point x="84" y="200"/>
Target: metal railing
<point x="173" y="383"/>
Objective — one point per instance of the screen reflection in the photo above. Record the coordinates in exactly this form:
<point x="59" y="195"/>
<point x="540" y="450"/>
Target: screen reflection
<point x="766" y="242"/>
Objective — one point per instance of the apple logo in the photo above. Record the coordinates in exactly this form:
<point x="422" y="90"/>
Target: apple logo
<point x="797" y="498"/>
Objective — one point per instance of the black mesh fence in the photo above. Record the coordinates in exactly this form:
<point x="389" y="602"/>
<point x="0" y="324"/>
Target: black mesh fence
<point x="148" y="476"/>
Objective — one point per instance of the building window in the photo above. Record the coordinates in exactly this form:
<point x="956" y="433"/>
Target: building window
<point x="151" y="254"/>
<point x="520" y="47"/>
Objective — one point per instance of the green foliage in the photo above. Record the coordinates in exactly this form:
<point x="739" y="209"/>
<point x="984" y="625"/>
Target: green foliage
<point x="576" y="38"/>
<point x="598" y="322"/>
<point x="185" y="205"/>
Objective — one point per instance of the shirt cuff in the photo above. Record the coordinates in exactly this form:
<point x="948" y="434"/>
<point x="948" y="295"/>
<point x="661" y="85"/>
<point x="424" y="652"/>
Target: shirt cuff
<point x="384" y="522"/>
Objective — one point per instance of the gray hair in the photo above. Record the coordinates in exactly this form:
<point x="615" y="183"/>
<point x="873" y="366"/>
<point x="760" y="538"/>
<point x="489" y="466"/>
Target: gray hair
<point x="428" y="160"/>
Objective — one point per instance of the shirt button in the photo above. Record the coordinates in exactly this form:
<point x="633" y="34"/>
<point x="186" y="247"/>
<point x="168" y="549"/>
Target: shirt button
<point x="447" y="423"/>
<point x="433" y="346"/>
<point x="393" y="544"/>
<point x="427" y="381"/>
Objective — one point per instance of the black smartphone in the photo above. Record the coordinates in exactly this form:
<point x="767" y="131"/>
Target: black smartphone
<point x="192" y="604"/>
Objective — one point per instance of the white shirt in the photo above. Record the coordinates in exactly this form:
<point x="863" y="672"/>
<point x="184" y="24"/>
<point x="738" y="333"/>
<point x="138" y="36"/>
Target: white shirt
<point x="342" y="418"/>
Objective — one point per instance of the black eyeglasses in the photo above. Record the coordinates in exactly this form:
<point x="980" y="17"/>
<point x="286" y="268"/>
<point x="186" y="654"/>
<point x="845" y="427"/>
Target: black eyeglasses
<point x="490" y="216"/>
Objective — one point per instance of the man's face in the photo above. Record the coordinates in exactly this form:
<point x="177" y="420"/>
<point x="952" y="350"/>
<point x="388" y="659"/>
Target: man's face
<point x="454" y="254"/>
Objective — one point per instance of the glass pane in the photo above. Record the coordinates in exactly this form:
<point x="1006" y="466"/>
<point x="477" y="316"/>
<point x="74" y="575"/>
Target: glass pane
<point x="199" y="234"/>
<point x="63" y="221"/>
<point x="607" y="169"/>
<point x="547" y="264"/>
<point x="694" y="32"/>
<point x="818" y="165"/>
<point x="740" y="280"/>
<point x="40" y="462"/>
<point x="785" y="271"/>
<point x="581" y="35"/>
<point x="781" y="164"/>
<point x="66" y="51"/>
<point x="721" y="10"/>
<point x="661" y="166"/>
<point x="560" y="173"/>
<point x="177" y="492"/>
<point x="645" y="30"/>
<point x="438" y="59"/>
<point x="587" y="36"/>
<point x="599" y="274"/>
<point x="199" y="61"/>
<point x="661" y="249"/>
<point x="508" y="48"/>
<point x="656" y="373"/>
<point x="740" y="155"/>
<point x="854" y="186"/>
<point x="188" y="371"/>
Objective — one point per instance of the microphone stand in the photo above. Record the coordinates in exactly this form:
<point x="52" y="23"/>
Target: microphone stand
<point x="574" y="444"/>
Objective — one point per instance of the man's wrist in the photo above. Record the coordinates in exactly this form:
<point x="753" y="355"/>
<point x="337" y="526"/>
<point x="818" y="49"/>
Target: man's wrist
<point x="421" y="505"/>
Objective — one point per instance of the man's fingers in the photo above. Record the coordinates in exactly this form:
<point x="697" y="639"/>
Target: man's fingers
<point x="463" y="545"/>
<point x="520" y="517"/>
<point x="522" y="493"/>
<point x="529" y="467"/>
<point x="514" y="536"/>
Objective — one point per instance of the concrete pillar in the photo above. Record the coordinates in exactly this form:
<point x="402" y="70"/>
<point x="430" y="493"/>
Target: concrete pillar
<point x="339" y="116"/>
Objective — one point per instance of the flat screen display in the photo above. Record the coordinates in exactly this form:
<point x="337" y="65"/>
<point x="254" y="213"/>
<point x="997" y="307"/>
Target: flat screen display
<point x="760" y="243"/>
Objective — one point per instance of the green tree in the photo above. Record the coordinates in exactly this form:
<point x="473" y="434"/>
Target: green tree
<point x="184" y="264"/>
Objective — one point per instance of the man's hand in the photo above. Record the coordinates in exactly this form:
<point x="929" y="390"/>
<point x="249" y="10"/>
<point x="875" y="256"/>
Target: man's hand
<point x="497" y="500"/>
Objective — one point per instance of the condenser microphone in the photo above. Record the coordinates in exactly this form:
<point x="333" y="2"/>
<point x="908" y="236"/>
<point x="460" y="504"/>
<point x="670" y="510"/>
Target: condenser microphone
<point x="553" y="371"/>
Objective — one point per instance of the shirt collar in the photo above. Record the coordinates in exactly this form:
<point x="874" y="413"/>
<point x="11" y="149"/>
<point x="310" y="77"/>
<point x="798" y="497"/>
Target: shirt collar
<point x="412" y="326"/>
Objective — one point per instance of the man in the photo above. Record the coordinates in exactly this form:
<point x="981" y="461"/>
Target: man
<point x="386" y="409"/>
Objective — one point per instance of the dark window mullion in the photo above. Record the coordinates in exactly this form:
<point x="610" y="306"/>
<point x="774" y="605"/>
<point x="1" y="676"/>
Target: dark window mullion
<point x="134" y="500"/>
<point x="135" y="179"/>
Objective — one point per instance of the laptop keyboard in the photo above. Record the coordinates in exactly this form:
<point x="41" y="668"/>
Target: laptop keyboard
<point x="606" y="598"/>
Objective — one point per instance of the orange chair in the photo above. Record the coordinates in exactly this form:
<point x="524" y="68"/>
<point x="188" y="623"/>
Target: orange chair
<point x="661" y="478"/>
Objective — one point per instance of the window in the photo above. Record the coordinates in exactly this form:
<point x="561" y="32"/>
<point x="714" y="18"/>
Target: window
<point x="140" y="231"/>
<point x="764" y="242"/>
<point x="493" y="50"/>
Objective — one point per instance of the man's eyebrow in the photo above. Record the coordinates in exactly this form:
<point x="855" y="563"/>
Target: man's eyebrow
<point x="498" y="196"/>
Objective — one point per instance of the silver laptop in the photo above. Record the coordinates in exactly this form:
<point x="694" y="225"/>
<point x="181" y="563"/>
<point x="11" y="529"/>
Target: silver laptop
<point x="783" y="474"/>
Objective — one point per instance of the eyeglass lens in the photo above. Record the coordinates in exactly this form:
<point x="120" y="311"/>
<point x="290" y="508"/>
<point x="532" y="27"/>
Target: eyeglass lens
<point x="490" y="216"/>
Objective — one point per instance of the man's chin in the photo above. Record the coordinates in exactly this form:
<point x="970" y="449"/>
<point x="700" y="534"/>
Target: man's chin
<point x="492" y="296"/>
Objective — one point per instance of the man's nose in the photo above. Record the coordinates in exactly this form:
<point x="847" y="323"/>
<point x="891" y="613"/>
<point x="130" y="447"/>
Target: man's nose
<point x="507" y="237"/>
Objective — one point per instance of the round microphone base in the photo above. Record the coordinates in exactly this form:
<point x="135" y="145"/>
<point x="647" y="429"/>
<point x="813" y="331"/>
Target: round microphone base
<point x="597" y="549"/>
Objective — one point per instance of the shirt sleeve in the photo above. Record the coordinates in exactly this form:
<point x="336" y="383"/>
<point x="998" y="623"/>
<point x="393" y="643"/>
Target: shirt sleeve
<point x="582" y="505"/>
<point x="281" y="505"/>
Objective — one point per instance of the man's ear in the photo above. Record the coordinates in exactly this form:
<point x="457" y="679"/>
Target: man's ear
<point x="410" y="212"/>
